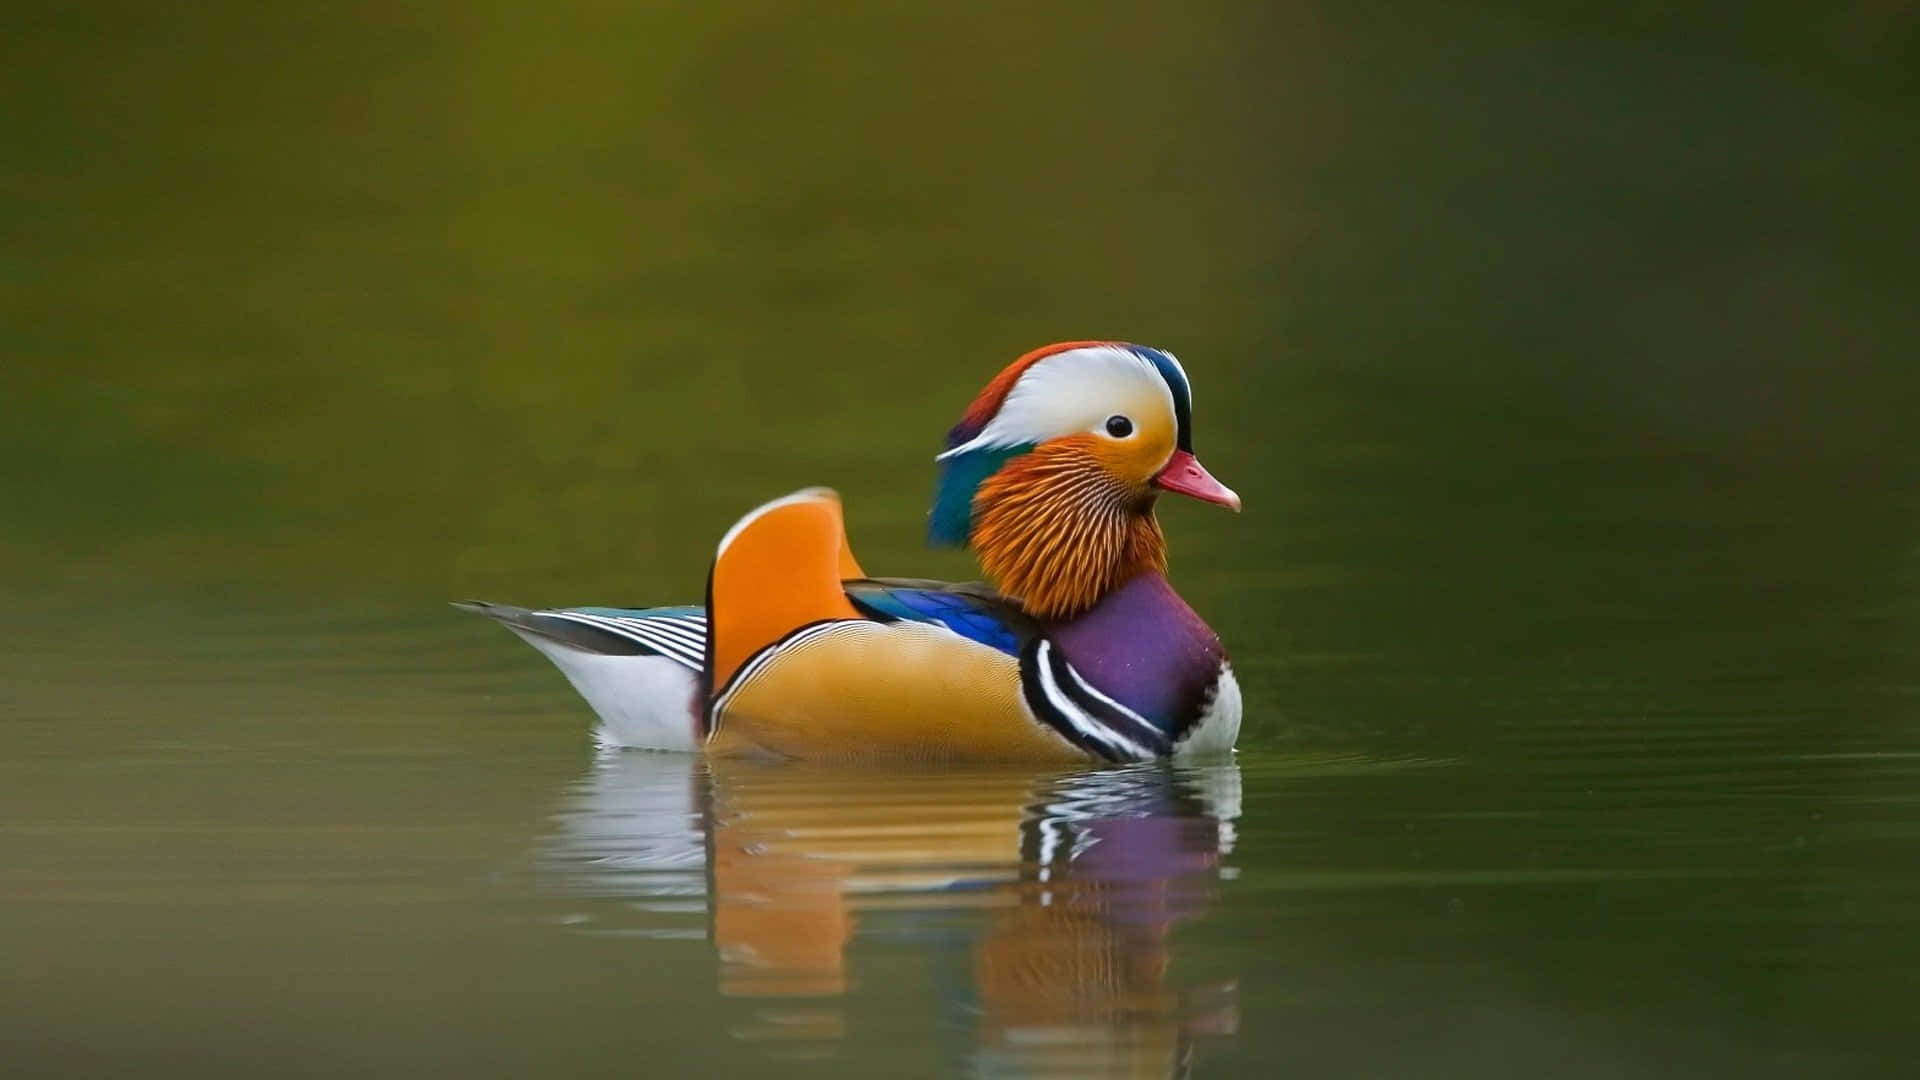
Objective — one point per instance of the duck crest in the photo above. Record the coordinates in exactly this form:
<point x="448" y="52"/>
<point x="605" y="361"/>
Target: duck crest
<point x="1057" y="531"/>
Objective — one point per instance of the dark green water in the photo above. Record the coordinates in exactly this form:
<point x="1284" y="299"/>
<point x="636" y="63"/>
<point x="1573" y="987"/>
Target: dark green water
<point x="1564" y="356"/>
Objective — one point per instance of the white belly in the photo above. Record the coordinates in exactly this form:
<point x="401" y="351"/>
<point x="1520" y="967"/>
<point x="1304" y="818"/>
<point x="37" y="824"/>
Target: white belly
<point x="1219" y="725"/>
<point x="644" y="702"/>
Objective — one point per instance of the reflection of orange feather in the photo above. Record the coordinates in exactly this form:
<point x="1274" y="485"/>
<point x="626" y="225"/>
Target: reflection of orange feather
<point x="1061" y="986"/>
<point x="1052" y="963"/>
<point x="1057" y="528"/>
<point x="787" y="856"/>
<point x="780" y="922"/>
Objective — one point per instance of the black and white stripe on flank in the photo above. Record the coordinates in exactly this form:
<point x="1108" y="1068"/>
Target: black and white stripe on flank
<point x="1085" y="717"/>
<point x="759" y="660"/>
<point x="680" y="638"/>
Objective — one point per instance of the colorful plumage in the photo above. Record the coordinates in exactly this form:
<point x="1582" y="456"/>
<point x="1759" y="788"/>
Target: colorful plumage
<point x="1081" y="650"/>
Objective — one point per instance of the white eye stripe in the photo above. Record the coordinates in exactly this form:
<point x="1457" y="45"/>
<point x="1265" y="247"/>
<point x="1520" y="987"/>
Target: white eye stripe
<point x="1071" y="392"/>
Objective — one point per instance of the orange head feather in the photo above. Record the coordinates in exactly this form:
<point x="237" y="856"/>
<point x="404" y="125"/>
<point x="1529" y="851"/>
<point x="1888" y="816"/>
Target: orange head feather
<point x="1058" y="527"/>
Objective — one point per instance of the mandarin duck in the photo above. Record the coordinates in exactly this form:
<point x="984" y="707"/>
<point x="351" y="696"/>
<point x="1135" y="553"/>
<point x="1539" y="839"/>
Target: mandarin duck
<point x="1079" y="651"/>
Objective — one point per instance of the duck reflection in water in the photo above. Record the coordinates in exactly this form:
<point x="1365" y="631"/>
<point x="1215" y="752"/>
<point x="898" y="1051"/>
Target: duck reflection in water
<point x="1046" y="898"/>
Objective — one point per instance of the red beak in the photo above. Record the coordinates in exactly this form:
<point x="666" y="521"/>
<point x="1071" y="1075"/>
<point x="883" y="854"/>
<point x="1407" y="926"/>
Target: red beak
<point x="1184" y="474"/>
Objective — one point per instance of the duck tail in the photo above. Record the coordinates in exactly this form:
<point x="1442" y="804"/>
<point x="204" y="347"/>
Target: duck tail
<point x="638" y="667"/>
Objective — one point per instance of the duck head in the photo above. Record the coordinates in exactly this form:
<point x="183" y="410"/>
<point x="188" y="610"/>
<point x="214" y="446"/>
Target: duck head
<point x="1052" y="474"/>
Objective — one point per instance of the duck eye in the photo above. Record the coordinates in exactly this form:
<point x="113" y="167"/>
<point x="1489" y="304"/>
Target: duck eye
<point x="1119" y="427"/>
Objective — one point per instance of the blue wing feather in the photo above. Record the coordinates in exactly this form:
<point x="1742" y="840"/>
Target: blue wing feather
<point x="987" y="619"/>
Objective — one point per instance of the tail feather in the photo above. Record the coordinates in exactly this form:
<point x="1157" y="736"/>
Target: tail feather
<point x="639" y="671"/>
<point x="574" y="635"/>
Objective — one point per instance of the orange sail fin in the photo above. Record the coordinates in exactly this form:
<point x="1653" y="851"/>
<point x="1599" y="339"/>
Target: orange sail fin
<point x="777" y="570"/>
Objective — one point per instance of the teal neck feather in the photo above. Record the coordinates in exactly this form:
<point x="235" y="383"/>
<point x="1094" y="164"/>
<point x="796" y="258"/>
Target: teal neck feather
<point x="951" y="522"/>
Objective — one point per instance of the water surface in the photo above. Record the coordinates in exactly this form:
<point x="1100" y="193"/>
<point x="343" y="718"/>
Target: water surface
<point x="383" y="842"/>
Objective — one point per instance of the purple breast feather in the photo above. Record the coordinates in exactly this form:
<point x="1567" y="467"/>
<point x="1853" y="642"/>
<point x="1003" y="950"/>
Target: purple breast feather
<point x="1144" y="647"/>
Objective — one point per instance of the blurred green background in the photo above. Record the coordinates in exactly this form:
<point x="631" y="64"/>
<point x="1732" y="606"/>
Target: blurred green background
<point x="1564" y="353"/>
<point x="478" y="297"/>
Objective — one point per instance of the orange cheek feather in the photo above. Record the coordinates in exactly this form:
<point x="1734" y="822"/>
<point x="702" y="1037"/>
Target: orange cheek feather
<point x="1131" y="462"/>
<point x="1059" y="526"/>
